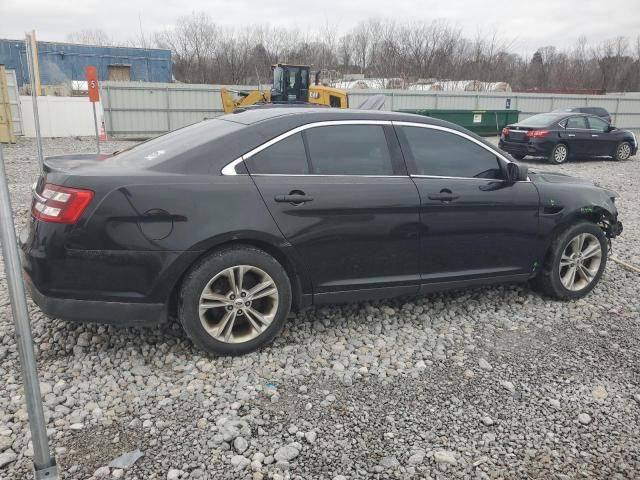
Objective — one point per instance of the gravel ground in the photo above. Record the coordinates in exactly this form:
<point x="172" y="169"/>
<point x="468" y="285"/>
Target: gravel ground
<point x="484" y="383"/>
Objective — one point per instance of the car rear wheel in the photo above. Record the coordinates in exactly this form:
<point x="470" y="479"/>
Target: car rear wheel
<point x="559" y="154"/>
<point x="235" y="301"/>
<point x="575" y="262"/>
<point x="518" y="156"/>
<point x="623" y="151"/>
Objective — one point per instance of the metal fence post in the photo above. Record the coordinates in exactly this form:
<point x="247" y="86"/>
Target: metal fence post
<point x="34" y="99"/>
<point x="44" y="464"/>
<point x="168" y="97"/>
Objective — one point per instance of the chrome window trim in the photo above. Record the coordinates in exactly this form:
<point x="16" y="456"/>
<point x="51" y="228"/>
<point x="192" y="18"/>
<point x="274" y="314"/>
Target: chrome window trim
<point x="461" y="134"/>
<point x="455" y="132"/>
<point x="457" y="178"/>
<point x="230" y="168"/>
<point x="352" y="175"/>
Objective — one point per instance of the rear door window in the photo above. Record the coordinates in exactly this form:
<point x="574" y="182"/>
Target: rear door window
<point x="443" y="154"/>
<point x="286" y="157"/>
<point x="349" y="150"/>
<point x="577" y="123"/>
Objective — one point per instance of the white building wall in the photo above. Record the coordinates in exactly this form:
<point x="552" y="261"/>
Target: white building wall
<point x="60" y="116"/>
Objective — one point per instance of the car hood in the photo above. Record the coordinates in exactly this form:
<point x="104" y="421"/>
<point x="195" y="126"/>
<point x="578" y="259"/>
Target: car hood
<point x="553" y="177"/>
<point x="560" y="180"/>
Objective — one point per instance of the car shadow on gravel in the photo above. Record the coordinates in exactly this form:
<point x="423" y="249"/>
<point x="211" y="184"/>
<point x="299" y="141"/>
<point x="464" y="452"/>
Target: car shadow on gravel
<point x="543" y="160"/>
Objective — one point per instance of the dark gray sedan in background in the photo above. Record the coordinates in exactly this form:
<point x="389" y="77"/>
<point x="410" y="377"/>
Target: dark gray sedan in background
<point x="561" y="135"/>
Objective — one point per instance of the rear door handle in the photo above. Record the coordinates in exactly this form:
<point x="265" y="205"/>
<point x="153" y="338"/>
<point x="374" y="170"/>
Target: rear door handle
<point x="295" y="198"/>
<point x="572" y="134"/>
<point x="443" y="197"/>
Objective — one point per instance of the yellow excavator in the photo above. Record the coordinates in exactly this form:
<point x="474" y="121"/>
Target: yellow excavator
<point x="291" y="85"/>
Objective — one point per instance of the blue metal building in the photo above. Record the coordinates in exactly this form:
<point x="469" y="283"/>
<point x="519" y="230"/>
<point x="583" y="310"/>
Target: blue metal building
<point x="62" y="62"/>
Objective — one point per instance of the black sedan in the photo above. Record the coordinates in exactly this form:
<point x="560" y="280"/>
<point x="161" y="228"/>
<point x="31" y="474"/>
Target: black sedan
<point x="560" y="135"/>
<point x="230" y="223"/>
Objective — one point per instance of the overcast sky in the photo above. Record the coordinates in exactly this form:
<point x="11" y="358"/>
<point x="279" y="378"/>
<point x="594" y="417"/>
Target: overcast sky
<point x="528" y="24"/>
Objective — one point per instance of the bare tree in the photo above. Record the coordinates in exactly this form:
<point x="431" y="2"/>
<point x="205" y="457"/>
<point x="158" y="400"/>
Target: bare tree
<point x="205" y="52"/>
<point x="90" y="37"/>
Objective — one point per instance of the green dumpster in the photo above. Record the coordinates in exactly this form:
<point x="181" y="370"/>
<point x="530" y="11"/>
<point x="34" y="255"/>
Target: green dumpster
<point x="482" y="122"/>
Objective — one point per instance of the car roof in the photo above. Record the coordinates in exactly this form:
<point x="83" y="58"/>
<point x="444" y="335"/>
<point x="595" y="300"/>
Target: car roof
<point x="309" y="114"/>
<point x="579" y="109"/>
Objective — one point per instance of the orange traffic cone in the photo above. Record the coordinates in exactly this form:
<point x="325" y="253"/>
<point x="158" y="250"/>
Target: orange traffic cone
<point x="103" y="132"/>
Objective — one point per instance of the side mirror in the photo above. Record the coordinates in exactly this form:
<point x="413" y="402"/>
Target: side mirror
<point x="517" y="172"/>
<point x="610" y="128"/>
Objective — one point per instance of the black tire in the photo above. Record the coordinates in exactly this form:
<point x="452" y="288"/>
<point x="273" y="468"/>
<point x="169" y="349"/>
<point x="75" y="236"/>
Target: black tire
<point x="623" y="151"/>
<point x="518" y="156"/>
<point x="213" y="265"/>
<point x="556" y="157"/>
<point x="548" y="280"/>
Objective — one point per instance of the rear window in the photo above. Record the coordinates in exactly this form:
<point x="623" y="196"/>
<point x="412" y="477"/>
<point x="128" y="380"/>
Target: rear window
<point x="159" y="149"/>
<point x="542" y="120"/>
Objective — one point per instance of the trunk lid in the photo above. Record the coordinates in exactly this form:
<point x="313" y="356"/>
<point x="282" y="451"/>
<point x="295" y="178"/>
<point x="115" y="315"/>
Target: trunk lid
<point x="68" y="163"/>
<point x="518" y="133"/>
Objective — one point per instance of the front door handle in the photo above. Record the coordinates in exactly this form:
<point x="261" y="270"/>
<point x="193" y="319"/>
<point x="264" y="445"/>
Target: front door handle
<point x="572" y="135"/>
<point x="443" y="196"/>
<point x="293" y="198"/>
<point x="595" y="135"/>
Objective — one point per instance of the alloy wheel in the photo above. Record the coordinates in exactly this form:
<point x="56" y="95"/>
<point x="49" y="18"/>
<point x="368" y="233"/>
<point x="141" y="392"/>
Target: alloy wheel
<point x="238" y="304"/>
<point x="624" y="151"/>
<point x="580" y="262"/>
<point x="560" y="153"/>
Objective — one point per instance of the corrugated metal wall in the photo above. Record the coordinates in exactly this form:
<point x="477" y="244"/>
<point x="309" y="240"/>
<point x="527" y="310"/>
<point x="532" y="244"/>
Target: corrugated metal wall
<point x="63" y="62"/>
<point x="147" y="109"/>
<point x="134" y="109"/>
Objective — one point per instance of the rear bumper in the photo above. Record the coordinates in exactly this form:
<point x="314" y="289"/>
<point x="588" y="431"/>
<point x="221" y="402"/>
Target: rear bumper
<point x="113" y="313"/>
<point x="87" y="286"/>
<point x="532" y="147"/>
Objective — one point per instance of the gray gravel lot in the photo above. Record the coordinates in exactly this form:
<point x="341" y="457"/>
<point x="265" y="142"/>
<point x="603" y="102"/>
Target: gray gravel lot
<point x="484" y="383"/>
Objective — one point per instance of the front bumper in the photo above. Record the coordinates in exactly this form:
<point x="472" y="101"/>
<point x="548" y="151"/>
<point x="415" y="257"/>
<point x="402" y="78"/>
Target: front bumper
<point x="614" y="229"/>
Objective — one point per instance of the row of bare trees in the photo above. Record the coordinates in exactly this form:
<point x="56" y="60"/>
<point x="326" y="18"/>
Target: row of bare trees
<point x="205" y="52"/>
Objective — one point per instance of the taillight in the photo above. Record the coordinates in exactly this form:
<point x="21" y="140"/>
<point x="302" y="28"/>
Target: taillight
<point x="505" y="131"/>
<point x="537" y="133"/>
<point x="60" y="204"/>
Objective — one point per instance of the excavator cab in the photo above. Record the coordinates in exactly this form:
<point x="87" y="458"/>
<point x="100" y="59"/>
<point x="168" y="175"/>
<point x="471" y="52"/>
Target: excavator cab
<point x="290" y="84"/>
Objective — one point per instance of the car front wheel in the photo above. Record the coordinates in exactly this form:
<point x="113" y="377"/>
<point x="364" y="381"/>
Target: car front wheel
<point x="559" y="154"/>
<point x="623" y="151"/>
<point x="575" y="262"/>
<point x="235" y="301"/>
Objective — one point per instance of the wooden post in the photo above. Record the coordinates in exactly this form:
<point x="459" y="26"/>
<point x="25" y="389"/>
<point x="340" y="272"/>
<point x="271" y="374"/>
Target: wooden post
<point x="36" y="63"/>
<point x="7" y="133"/>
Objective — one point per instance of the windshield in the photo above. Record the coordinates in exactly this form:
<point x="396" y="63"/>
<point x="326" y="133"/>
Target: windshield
<point x="542" y="120"/>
